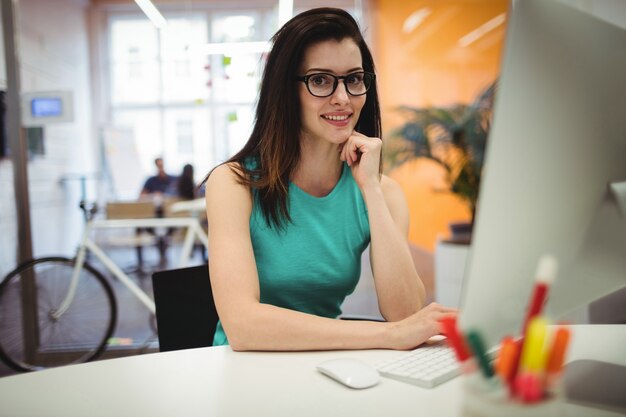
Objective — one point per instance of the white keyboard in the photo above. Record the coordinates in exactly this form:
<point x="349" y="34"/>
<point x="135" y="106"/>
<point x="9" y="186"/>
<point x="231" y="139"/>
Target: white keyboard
<point x="427" y="366"/>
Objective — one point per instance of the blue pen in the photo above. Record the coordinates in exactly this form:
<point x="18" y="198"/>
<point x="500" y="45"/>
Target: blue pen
<point x="477" y="346"/>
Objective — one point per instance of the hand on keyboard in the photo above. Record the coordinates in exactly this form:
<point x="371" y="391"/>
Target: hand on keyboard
<point x="419" y="327"/>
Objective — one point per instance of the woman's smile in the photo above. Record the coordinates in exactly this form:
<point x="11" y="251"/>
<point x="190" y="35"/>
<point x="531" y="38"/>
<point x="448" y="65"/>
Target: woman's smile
<point x="339" y="119"/>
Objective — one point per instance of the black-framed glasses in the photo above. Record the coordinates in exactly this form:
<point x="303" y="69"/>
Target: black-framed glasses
<point x="322" y="84"/>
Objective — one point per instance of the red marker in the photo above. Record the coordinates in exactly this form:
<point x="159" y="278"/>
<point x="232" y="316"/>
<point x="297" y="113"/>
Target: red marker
<point x="546" y="271"/>
<point x="455" y="340"/>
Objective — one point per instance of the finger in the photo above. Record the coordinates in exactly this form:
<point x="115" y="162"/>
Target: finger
<point x="363" y="138"/>
<point x="439" y="307"/>
<point x="354" y="152"/>
<point x="448" y="310"/>
<point x="363" y="144"/>
<point x="443" y="314"/>
<point x="442" y="327"/>
<point x="346" y="152"/>
<point x="342" y="151"/>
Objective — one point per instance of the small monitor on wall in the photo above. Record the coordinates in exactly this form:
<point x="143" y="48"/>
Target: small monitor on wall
<point x="43" y="108"/>
<point x="46" y="107"/>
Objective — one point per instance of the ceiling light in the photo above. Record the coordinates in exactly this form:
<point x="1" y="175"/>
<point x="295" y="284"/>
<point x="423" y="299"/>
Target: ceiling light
<point x="479" y="32"/>
<point x="152" y="12"/>
<point x="415" y="19"/>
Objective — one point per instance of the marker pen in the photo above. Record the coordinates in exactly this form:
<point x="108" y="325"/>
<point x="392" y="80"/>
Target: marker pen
<point x="556" y="356"/>
<point x="544" y="277"/>
<point x="528" y="383"/>
<point x="547" y="268"/>
<point x="456" y="341"/>
<point x="477" y="346"/>
<point x="508" y="359"/>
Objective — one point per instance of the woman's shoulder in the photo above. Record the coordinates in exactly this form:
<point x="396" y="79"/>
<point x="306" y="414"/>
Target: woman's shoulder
<point x="228" y="201"/>
<point x="225" y="181"/>
<point x="224" y="172"/>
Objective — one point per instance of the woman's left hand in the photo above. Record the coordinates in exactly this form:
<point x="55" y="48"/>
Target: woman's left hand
<point x="362" y="154"/>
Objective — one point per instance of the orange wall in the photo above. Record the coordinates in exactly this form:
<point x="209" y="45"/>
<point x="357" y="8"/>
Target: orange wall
<point x="426" y="66"/>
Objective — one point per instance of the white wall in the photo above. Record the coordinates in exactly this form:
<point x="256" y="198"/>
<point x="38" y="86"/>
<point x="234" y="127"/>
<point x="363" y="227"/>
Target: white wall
<point x="54" y="55"/>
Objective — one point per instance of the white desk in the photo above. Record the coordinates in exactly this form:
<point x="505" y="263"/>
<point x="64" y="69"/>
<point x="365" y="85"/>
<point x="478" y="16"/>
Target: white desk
<point x="195" y="207"/>
<point x="191" y="224"/>
<point x="220" y="382"/>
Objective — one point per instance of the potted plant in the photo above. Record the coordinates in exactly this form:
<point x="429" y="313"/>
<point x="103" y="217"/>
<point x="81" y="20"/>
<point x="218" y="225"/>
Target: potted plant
<point x="455" y="137"/>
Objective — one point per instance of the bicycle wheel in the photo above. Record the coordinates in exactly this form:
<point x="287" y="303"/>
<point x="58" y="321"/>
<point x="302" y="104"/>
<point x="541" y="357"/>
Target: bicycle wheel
<point x="31" y="338"/>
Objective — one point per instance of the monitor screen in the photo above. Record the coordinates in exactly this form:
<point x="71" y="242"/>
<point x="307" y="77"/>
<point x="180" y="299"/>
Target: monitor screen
<point x="41" y="108"/>
<point x="46" y="107"/>
<point x="557" y="144"/>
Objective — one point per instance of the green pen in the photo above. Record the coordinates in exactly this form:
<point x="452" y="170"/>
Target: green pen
<point x="478" y="347"/>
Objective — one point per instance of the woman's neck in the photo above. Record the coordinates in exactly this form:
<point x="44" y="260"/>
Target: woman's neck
<point x="319" y="168"/>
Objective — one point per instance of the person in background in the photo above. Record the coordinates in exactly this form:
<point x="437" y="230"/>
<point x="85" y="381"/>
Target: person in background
<point x="157" y="187"/>
<point x="187" y="190"/>
<point x="291" y="213"/>
<point x="161" y="183"/>
<point x="186" y="187"/>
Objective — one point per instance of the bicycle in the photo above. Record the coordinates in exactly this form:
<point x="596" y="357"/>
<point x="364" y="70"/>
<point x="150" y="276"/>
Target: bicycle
<point x="57" y="311"/>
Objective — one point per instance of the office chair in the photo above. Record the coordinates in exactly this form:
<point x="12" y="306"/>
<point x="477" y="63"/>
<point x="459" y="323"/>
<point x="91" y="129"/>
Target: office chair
<point x="185" y="310"/>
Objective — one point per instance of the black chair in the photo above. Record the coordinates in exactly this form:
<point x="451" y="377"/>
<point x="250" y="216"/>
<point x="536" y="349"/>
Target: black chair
<point x="185" y="310"/>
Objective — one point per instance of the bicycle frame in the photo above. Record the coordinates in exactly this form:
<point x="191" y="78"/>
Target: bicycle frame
<point x="194" y="230"/>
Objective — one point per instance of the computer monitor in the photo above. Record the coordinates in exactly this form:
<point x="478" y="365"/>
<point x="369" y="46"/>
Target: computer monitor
<point x="558" y="141"/>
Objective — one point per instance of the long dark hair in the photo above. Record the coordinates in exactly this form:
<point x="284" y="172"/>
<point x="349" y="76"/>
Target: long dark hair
<point x="274" y="144"/>
<point x="186" y="187"/>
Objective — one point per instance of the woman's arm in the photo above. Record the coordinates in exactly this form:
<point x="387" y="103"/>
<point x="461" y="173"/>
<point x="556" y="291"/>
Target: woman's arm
<point x="251" y="325"/>
<point x="400" y="290"/>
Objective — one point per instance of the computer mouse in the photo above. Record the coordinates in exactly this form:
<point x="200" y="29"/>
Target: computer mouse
<point x="350" y="372"/>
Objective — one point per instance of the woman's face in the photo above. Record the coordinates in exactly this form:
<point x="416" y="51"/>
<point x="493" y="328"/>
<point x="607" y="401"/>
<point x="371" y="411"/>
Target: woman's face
<point x="330" y="118"/>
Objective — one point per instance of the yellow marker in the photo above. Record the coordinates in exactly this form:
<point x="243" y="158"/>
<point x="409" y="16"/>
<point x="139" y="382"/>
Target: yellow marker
<point x="533" y="352"/>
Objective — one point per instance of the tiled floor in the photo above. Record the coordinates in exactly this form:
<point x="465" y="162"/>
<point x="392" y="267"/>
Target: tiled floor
<point x="135" y="331"/>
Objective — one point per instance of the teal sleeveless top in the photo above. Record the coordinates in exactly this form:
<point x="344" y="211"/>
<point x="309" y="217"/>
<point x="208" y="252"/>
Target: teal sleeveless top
<point x="315" y="261"/>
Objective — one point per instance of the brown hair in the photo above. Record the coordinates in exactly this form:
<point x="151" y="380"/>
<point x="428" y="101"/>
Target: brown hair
<point x="274" y="144"/>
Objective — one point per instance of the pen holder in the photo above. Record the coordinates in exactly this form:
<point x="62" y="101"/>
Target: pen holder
<point x="483" y="398"/>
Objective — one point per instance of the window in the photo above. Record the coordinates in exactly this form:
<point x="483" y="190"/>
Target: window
<point x="182" y="104"/>
<point x="187" y="106"/>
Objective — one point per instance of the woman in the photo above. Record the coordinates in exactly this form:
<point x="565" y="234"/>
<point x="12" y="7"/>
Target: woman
<point x="291" y="213"/>
<point x="185" y="187"/>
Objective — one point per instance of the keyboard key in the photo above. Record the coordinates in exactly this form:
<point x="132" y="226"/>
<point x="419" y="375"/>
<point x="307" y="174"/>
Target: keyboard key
<point x="426" y="366"/>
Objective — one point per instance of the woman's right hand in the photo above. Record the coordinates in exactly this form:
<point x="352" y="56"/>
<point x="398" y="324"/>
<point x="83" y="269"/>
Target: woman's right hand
<point x="419" y="327"/>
